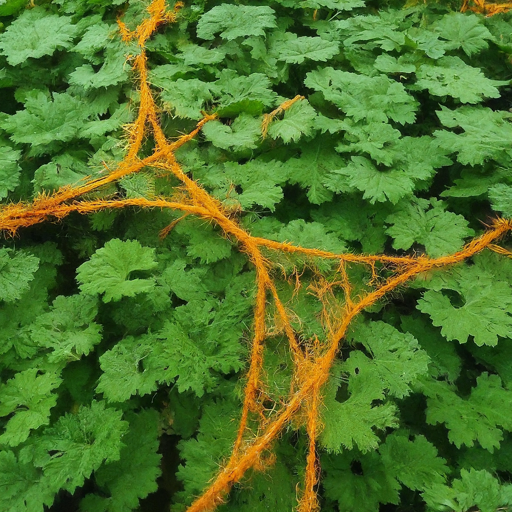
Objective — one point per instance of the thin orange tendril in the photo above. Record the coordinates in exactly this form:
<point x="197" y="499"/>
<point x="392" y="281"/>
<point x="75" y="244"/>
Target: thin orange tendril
<point x="312" y="360"/>
<point x="487" y="8"/>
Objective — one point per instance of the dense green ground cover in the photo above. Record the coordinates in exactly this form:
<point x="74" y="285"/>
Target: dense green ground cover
<point x="122" y="355"/>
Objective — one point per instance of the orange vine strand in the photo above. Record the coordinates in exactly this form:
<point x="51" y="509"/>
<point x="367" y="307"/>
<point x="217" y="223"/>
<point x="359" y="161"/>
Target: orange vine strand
<point x="290" y="334"/>
<point x="172" y="147"/>
<point x="482" y="7"/>
<point x="16" y="215"/>
<point x="236" y="467"/>
<point x="158" y="14"/>
<point x="345" y="284"/>
<point x="500" y="250"/>
<point x="318" y="253"/>
<point x="268" y="118"/>
<point x="309" y="499"/>
<point x="164" y="232"/>
<point x="256" y="359"/>
<point x="147" y="112"/>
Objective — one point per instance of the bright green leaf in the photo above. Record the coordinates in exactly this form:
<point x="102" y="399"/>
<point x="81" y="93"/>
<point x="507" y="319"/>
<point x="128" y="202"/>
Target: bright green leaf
<point x="298" y="121"/>
<point x="475" y="418"/>
<point x="295" y="50"/>
<point x="464" y="31"/>
<point x="234" y="21"/>
<point x="16" y="271"/>
<point x="36" y="33"/>
<point x="429" y="224"/>
<point x="451" y="76"/>
<point x="9" y="170"/>
<point x="361" y="97"/>
<point x="30" y="397"/>
<point x="108" y="270"/>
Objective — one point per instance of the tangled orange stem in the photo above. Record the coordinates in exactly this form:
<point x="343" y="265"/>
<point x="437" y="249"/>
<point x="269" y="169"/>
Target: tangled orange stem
<point x="312" y="362"/>
<point x="487" y="8"/>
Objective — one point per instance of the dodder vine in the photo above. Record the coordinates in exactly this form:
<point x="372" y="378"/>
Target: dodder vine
<point x="312" y="359"/>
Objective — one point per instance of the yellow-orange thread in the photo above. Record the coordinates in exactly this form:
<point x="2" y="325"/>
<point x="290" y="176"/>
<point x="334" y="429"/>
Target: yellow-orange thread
<point x="312" y="360"/>
<point x="487" y="8"/>
<point x="268" y="118"/>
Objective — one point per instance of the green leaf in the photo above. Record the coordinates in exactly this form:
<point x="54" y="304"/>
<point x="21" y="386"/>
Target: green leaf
<point x="234" y="21"/>
<point x="479" y="316"/>
<point x="112" y="72"/>
<point x="35" y="33"/>
<point x="310" y="170"/>
<point x="217" y="431"/>
<point x="185" y="410"/>
<point x="177" y="357"/>
<point x="474" y="489"/>
<point x="185" y="98"/>
<point x="95" y="38"/>
<point x="311" y="235"/>
<point x="444" y="360"/>
<point x="242" y="134"/>
<point x="427" y="41"/>
<point x="373" y="31"/>
<point x="339" y="5"/>
<point x="429" y="224"/>
<point x="68" y="329"/>
<point x="30" y="397"/>
<point x="243" y="94"/>
<point x="377" y="185"/>
<point x="480" y="307"/>
<point x="123" y="369"/>
<point x="262" y="493"/>
<point x="451" y="76"/>
<point x="16" y="271"/>
<point x="201" y="341"/>
<point x="108" y="270"/>
<point x="464" y="31"/>
<point x="498" y="358"/>
<point x="163" y="77"/>
<point x="186" y="284"/>
<point x="375" y="99"/>
<point x="256" y="182"/>
<point x="23" y="487"/>
<point x="359" y="482"/>
<point x="79" y="444"/>
<point x="389" y="64"/>
<point x="473" y="182"/>
<point x="396" y="360"/>
<point x="64" y="169"/>
<point x="16" y="316"/>
<point x="353" y="219"/>
<point x="9" y="170"/>
<point x="417" y="157"/>
<point x="501" y="199"/>
<point x="138" y="185"/>
<point x="485" y="135"/>
<point x="10" y="7"/>
<point x="353" y="421"/>
<point x="204" y="242"/>
<point x="194" y="55"/>
<point x="46" y="121"/>
<point x="414" y="463"/>
<point x="475" y="418"/>
<point x="298" y="120"/>
<point x="295" y="50"/>
<point x="379" y="140"/>
<point x="134" y="475"/>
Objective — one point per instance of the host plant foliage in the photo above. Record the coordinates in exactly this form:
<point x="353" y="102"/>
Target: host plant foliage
<point x="222" y="320"/>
